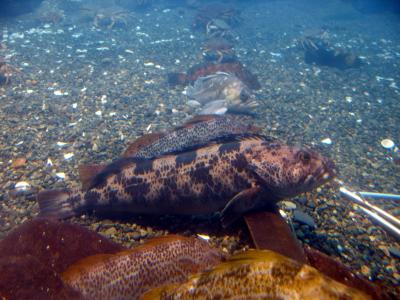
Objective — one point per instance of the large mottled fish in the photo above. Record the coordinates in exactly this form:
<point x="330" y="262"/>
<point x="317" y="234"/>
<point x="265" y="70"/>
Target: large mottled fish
<point x="258" y="274"/>
<point x="204" y="69"/>
<point x="233" y="177"/>
<point x="216" y="93"/>
<point x="196" y="132"/>
<point x="128" y="274"/>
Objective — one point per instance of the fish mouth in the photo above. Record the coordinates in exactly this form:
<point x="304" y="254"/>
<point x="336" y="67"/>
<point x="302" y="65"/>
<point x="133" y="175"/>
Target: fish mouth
<point x="327" y="171"/>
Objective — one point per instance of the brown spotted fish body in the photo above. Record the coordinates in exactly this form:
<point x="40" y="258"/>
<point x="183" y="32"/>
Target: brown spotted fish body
<point x="233" y="177"/>
<point x="259" y="275"/>
<point x="128" y="274"/>
<point x="198" y="131"/>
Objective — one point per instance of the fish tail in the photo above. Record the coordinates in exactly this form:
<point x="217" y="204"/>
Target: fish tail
<point x="55" y="204"/>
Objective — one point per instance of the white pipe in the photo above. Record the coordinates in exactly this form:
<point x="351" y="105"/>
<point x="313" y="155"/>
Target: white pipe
<point x="379" y="212"/>
<point x="379" y="195"/>
<point x="385" y="224"/>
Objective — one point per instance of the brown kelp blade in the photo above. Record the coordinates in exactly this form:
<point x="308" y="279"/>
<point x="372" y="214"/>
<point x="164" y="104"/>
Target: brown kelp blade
<point x="336" y="270"/>
<point x="270" y="231"/>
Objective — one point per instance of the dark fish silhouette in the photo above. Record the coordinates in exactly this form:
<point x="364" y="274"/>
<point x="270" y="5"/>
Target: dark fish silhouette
<point x="232" y="177"/>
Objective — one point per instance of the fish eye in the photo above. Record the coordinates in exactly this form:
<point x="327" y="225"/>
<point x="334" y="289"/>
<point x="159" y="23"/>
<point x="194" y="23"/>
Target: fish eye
<point x="304" y="156"/>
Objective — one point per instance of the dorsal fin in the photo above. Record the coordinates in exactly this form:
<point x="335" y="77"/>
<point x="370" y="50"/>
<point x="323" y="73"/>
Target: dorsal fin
<point x="153" y="242"/>
<point x="249" y="257"/>
<point x="88" y="172"/>
<point x="113" y="168"/>
<point x="198" y="119"/>
<point x="246" y="136"/>
<point x="142" y="142"/>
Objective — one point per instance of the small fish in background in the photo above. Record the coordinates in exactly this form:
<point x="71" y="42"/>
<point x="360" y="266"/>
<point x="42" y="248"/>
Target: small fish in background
<point x="233" y="177"/>
<point x="258" y="274"/>
<point x="317" y="50"/>
<point x="217" y="93"/>
<point x="209" y="68"/>
<point x="128" y="274"/>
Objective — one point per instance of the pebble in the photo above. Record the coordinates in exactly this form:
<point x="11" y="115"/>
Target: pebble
<point x="394" y="251"/>
<point x="22" y="185"/>
<point x="68" y="155"/>
<point x="387" y="144"/>
<point x="110" y="231"/>
<point x="326" y="141"/>
<point x="304" y="218"/>
<point x="18" y="162"/>
<point x="289" y="205"/>
<point x="366" y="271"/>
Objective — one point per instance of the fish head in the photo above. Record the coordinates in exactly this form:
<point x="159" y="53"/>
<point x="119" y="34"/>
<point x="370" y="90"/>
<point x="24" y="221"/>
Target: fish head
<point x="235" y="90"/>
<point x="289" y="171"/>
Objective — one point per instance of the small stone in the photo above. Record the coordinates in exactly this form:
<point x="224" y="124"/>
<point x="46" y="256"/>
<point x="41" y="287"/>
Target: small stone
<point x="18" y="162"/>
<point x="394" y="251"/>
<point x="110" y="231"/>
<point x="289" y="205"/>
<point x="326" y="141"/>
<point x="366" y="271"/>
<point x="304" y="218"/>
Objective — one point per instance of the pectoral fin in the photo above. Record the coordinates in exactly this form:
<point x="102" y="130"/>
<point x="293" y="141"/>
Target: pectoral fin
<point x="243" y="202"/>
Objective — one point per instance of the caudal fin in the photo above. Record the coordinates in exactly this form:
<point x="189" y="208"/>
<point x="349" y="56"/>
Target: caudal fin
<point x="55" y="204"/>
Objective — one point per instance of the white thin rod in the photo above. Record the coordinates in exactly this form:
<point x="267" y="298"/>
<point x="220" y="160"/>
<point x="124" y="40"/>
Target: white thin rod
<point x="381" y="221"/>
<point x="380" y="195"/>
<point x="356" y="198"/>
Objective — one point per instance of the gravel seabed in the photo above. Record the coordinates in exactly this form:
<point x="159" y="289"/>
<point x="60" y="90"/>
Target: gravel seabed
<point x="87" y="91"/>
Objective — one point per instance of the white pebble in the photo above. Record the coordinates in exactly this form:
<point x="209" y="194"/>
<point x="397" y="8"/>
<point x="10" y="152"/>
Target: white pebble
<point x="22" y="185"/>
<point x="60" y="93"/>
<point x="61" y="144"/>
<point x="203" y="237"/>
<point x="68" y="155"/>
<point x="49" y="162"/>
<point x="98" y="113"/>
<point x="326" y="141"/>
<point x="387" y="143"/>
<point x="60" y="175"/>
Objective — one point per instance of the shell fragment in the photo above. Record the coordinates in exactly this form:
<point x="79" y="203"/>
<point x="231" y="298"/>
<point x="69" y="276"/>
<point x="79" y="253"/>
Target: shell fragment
<point x="68" y="155"/>
<point x="387" y="143"/>
<point x="22" y="186"/>
<point x="326" y="141"/>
